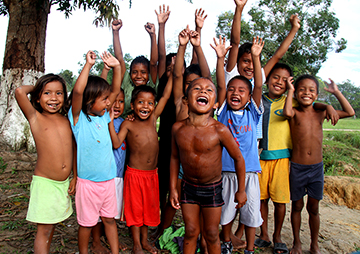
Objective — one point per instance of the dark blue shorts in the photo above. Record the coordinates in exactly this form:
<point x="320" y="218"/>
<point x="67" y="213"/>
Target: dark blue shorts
<point x="204" y="195"/>
<point x="306" y="179"/>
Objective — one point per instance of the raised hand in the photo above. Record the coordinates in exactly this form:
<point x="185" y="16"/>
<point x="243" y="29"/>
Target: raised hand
<point x="90" y="57"/>
<point x="331" y="87"/>
<point x="295" y="21"/>
<point x="150" y="28"/>
<point x="194" y="38"/>
<point x="184" y="36"/>
<point x="289" y="84"/>
<point x="109" y="60"/>
<point x="219" y="48"/>
<point x="163" y="15"/>
<point x="240" y="3"/>
<point x="116" y="24"/>
<point x="257" y="46"/>
<point x="200" y="18"/>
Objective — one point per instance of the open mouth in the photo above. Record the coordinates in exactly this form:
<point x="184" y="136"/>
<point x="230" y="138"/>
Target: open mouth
<point x="202" y="101"/>
<point x="144" y="113"/>
<point x="53" y="106"/>
<point x="116" y="112"/>
<point x="235" y="101"/>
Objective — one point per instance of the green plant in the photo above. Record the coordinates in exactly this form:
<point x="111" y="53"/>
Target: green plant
<point x="11" y="225"/>
<point x="3" y="165"/>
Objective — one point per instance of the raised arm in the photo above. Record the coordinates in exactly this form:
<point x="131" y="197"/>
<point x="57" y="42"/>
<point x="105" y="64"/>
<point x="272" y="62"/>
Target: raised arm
<point x="221" y="52"/>
<point x="284" y="46"/>
<point x="235" y="35"/>
<point x="150" y="28"/>
<point x="288" y="111"/>
<point x="105" y="71"/>
<point x="195" y="41"/>
<point x="199" y="23"/>
<point x="347" y="108"/>
<point x="256" y="49"/>
<point x="118" y="138"/>
<point x="23" y="101"/>
<point x="80" y="85"/>
<point x="166" y="94"/>
<point x="116" y="25"/>
<point x="112" y="62"/>
<point x="179" y="65"/>
<point x="162" y="17"/>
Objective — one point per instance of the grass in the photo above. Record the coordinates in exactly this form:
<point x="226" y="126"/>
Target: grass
<point x="341" y="153"/>
<point x="3" y="165"/>
<point x="12" y="225"/>
<point x="346" y="123"/>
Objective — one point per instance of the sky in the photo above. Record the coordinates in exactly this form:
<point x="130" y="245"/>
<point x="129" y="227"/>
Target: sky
<point x="69" y="39"/>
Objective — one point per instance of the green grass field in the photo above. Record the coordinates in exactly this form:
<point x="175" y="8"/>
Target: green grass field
<point x="346" y="123"/>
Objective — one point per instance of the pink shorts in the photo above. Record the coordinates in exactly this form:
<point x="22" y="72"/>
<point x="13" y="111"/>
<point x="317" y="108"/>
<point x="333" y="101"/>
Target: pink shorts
<point x="94" y="199"/>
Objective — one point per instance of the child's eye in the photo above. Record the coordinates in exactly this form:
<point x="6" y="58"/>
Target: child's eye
<point x="47" y="93"/>
<point x="209" y="90"/>
<point x="59" y="93"/>
<point x="151" y="103"/>
<point x="121" y="101"/>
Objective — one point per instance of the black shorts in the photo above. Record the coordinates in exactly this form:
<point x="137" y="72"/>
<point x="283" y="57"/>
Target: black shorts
<point x="306" y="179"/>
<point x="204" y="195"/>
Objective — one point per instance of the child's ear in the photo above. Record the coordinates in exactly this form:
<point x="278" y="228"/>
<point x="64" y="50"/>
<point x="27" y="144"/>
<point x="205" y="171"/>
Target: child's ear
<point x="216" y="105"/>
<point x="132" y="106"/>
<point x="185" y="100"/>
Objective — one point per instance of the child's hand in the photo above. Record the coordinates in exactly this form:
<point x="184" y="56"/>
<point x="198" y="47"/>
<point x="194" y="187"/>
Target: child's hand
<point x="289" y="83"/>
<point x="240" y="3"/>
<point x="194" y="38"/>
<point x="174" y="199"/>
<point x="150" y="28"/>
<point x="116" y="25"/>
<point x="331" y="87"/>
<point x="109" y="60"/>
<point x="106" y="67"/>
<point x="170" y="68"/>
<point x="219" y="48"/>
<point x="240" y="198"/>
<point x="257" y="46"/>
<point x="184" y="36"/>
<point x="111" y="112"/>
<point x="295" y="21"/>
<point x="199" y="19"/>
<point x="72" y="187"/>
<point x="163" y="15"/>
<point x="332" y="115"/>
<point x="130" y="117"/>
<point x="90" y="57"/>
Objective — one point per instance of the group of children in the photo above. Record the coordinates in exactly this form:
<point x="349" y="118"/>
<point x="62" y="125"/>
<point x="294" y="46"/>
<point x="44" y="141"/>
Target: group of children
<point x="210" y="168"/>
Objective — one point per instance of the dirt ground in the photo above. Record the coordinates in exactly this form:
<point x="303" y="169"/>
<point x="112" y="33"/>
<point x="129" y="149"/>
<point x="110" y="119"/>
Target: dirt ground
<point x="339" y="213"/>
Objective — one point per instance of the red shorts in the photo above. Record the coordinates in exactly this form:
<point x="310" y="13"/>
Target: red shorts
<point x="141" y="197"/>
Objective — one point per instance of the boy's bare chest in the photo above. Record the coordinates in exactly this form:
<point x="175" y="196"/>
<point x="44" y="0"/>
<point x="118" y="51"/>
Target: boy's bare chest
<point x="142" y="135"/>
<point x="197" y="141"/>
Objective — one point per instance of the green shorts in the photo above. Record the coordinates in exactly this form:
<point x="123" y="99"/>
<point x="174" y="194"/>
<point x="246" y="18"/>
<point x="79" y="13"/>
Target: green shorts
<point x="49" y="202"/>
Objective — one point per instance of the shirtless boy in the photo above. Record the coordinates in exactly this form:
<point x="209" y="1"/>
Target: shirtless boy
<point x="141" y="183"/>
<point x="306" y="169"/>
<point x="197" y="143"/>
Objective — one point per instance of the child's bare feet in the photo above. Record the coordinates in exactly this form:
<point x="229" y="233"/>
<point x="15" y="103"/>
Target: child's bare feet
<point x="98" y="248"/>
<point x="123" y="246"/>
<point x="137" y="250"/>
<point x="237" y="242"/>
<point x="296" y="249"/>
<point x="314" y="249"/>
<point x="148" y="247"/>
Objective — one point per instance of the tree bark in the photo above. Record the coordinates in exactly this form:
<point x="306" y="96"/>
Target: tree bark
<point x="23" y="64"/>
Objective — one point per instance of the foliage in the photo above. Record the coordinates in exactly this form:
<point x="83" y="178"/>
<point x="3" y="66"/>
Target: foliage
<point x="12" y="225"/>
<point x="341" y="154"/>
<point x="351" y="93"/>
<point x="69" y="77"/>
<point x="346" y="123"/>
<point x="3" y="165"/>
<point x="99" y="65"/>
<point x="270" y="20"/>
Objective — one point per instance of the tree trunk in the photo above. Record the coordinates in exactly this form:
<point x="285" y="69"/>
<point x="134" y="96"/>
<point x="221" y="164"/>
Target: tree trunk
<point x="23" y="64"/>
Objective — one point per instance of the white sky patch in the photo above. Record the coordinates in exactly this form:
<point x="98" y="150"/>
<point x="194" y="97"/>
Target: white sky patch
<point x="69" y="39"/>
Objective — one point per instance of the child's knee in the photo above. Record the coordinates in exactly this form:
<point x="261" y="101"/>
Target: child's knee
<point x="297" y="206"/>
<point x="211" y="236"/>
<point x="192" y="231"/>
<point x="312" y="209"/>
<point x="108" y="221"/>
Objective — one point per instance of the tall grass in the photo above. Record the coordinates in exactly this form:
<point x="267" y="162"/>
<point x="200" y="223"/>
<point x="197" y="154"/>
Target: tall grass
<point x="341" y="152"/>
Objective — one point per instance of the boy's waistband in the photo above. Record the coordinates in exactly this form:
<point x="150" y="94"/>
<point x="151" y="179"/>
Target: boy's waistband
<point x="141" y="171"/>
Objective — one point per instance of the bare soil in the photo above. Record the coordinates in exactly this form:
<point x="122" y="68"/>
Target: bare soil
<point x="339" y="211"/>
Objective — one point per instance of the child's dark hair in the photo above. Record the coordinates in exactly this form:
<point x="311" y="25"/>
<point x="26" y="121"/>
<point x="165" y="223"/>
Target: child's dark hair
<point x="95" y="87"/>
<point x="39" y="88"/>
<point x="139" y="89"/>
<point x="169" y="58"/>
<point x="244" y="48"/>
<point x="279" y="66"/>
<point x="186" y="94"/>
<point x="140" y="60"/>
<point x="242" y="78"/>
<point x="306" y="76"/>
<point x="191" y="69"/>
